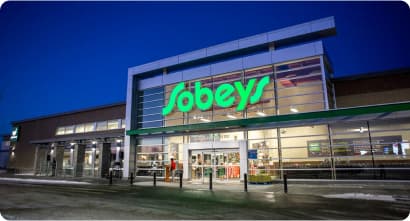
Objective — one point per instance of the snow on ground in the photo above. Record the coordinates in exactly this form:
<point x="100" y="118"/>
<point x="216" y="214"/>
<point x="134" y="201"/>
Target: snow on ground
<point x="362" y="196"/>
<point x="41" y="181"/>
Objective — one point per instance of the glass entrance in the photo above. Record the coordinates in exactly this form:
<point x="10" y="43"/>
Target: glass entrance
<point x="222" y="163"/>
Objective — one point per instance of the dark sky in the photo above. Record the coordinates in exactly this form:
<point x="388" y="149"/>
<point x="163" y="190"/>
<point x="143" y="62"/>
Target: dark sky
<point x="57" y="57"/>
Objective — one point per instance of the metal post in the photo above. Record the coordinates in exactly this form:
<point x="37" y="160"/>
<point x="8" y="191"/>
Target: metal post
<point x="210" y="181"/>
<point x="180" y="180"/>
<point x="155" y="179"/>
<point x="111" y="177"/>
<point x="132" y="178"/>
<point x="245" y="181"/>
<point x="285" y="182"/>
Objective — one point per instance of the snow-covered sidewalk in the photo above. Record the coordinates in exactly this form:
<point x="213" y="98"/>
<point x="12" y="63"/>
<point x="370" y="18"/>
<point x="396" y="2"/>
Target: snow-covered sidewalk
<point x="41" y="181"/>
<point x="362" y="196"/>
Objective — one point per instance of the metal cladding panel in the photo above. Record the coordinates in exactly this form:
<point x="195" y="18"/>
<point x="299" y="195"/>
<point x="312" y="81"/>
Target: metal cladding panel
<point x="288" y="32"/>
<point x="168" y="61"/>
<point x="253" y="40"/>
<point x="227" y="66"/>
<point x="192" y="55"/>
<point x="145" y="67"/>
<point x="150" y="82"/>
<point x="322" y="24"/>
<point x="257" y="60"/>
<point x="172" y="78"/>
<point x="298" y="52"/>
<point x="198" y="72"/>
<point x="222" y="48"/>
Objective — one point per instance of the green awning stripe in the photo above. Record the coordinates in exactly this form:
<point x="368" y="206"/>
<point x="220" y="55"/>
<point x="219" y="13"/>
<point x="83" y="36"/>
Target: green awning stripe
<point x="387" y="108"/>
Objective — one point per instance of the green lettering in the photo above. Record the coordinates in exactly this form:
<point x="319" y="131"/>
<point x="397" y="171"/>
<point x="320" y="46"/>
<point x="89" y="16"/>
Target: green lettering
<point x="244" y="93"/>
<point x="199" y="92"/>
<point x="173" y="96"/>
<point x="259" y="89"/>
<point x="190" y="101"/>
<point x="223" y="96"/>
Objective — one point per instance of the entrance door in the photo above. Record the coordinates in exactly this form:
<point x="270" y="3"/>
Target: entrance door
<point x="222" y="163"/>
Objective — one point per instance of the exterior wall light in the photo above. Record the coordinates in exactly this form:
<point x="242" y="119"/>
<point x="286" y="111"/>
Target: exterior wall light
<point x="294" y="109"/>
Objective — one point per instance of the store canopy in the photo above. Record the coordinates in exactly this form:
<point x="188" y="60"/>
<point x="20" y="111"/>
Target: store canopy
<point x="396" y="110"/>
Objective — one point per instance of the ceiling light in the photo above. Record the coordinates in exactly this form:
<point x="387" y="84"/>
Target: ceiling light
<point x="118" y="141"/>
<point x="294" y="109"/>
<point x="261" y="113"/>
<point x="72" y="144"/>
<point x="231" y="116"/>
<point x="94" y="142"/>
<point x="205" y="120"/>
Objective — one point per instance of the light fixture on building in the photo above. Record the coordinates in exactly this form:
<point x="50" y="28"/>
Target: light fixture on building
<point x="94" y="142"/>
<point x="261" y="113"/>
<point x="93" y="148"/>
<point x="118" y="141"/>
<point x="205" y="120"/>
<point x="361" y="130"/>
<point x="12" y="154"/>
<point x="72" y="144"/>
<point x="293" y="109"/>
<point x="231" y="116"/>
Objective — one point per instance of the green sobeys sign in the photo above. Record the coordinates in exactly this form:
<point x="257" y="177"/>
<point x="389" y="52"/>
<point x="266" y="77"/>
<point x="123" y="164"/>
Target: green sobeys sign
<point x="203" y="97"/>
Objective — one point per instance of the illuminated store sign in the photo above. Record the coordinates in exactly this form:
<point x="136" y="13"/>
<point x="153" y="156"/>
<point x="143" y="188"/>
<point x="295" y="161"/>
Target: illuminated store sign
<point x="203" y="97"/>
<point x="14" y="134"/>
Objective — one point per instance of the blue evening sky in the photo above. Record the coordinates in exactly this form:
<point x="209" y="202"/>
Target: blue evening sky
<point x="57" y="57"/>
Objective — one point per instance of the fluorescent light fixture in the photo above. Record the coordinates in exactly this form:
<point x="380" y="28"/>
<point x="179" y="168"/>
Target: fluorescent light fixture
<point x="94" y="142"/>
<point x="261" y="113"/>
<point x="205" y="120"/>
<point x="293" y="109"/>
<point x="118" y="141"/>
<point x="231" y="116"/>
<point x="93" y="148"/>
<point x="72" y="144"/>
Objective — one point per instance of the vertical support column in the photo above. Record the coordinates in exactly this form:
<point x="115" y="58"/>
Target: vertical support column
<point x="129" y="156"/>
<point x="279" y="152"/>
<point x="59" y="156"/>
<point x="324" y="84"/>
<point x="332" y="157"/>
<point x="36" y="165"/>
<point x="243" y="158"/>
<point x="186" y="161"/>
<point x="79" y="154"/>
<point x="129" y="142"/>
<point x="105" y="158"/>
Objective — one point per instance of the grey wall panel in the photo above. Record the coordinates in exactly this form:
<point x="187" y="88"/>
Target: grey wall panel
<point x="194" y="73"/>
<point x="172" y="78"/>
<point x="222" y="48"/>
<point x="322" y="24"/>
<point x="319" y="48"/>
<point x="257" y="60"/>
<point x="288" y="32"/>
<point x="192" y="55"/>
<point x="168" y="61"/>
<point x="145" y="67"/>
<point x="295" y="52"/>
<point x="227" y="66"/>
<point x="253" y="40"/>
<point x="149" y="82"/>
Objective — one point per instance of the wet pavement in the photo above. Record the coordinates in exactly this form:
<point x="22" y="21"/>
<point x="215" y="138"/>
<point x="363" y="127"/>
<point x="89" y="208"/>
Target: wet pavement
<point x="305" y="200"/>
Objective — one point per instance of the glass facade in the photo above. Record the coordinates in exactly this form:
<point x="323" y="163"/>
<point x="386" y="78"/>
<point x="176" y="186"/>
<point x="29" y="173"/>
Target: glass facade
<point x="91" y="127"/>
<point x="296" y="86"/>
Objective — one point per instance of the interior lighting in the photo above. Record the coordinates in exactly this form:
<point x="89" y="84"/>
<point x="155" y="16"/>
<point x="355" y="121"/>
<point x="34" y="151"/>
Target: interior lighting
<point x="231" y="116"/>
<point x="72" y="144"/>
<point x="94" y="142"/>
<point x="118" y="141"/>
<point x="205" y="120"/>
<point x="293" y="109"/>
<point x="261" y="113"/>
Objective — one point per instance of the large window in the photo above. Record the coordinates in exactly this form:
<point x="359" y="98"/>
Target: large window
<point x="263" y="161"/>
<point x="91" y="127"/>
<point x="300" y="86"/>
<point x="150" y="103"/>
<point x="306" y="151"/>
<point x="150" y="157"/>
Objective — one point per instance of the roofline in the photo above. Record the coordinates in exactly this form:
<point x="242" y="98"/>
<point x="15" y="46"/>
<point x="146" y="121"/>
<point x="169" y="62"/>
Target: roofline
<point x="394" y="71"/>
<point x="69" y="112"/>
<point x="324" y="27"/>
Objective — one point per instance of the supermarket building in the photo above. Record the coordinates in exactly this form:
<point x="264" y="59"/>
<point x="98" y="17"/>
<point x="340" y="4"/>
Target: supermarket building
<point x="263" y="105"/>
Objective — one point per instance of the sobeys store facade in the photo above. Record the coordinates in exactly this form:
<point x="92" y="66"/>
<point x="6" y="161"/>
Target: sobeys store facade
<point x="262" y="105"/>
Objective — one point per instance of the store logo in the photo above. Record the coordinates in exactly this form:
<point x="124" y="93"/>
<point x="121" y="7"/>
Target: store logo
<point x="203" y="97"/>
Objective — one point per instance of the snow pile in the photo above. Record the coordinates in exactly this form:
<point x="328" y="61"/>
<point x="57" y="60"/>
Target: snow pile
<point x="361" y="196"/>
<point x="38" y="181"/>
